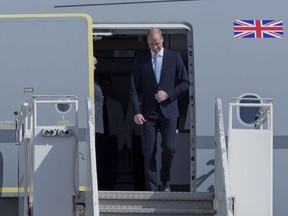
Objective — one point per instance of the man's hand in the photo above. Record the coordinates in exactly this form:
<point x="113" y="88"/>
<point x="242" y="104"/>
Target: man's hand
<point x="161" y="96"/>
<point x="139" y="119"/>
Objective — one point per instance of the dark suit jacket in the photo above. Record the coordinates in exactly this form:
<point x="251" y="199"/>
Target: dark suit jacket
<point x="174" y="81"/>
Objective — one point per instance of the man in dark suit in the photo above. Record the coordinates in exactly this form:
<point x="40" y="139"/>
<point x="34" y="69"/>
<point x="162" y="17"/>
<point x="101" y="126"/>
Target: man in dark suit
<point x="158" y="77"/>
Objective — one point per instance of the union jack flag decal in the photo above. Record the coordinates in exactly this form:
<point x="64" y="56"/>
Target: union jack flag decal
<point x="258" y="29"/>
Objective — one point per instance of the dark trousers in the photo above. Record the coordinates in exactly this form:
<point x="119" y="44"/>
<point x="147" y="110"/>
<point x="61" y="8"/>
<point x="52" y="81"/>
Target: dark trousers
<point x="156" y="121"/>
<point x="106" y="159"/>
<point x="138" y="164"/>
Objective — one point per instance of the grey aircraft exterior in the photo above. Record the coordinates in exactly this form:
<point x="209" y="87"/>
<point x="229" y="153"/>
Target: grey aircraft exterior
<point x="222" y="60"/>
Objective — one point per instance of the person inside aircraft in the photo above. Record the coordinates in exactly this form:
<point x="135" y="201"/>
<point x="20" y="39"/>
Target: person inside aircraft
<point x="99" y="127"/>
<point x="160" y="76"/>
<point x="112" y="138"/>
<point x="98" y="102"/>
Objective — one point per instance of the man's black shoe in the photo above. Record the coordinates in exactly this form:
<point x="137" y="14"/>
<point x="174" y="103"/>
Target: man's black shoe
<point x="165" y="187"/>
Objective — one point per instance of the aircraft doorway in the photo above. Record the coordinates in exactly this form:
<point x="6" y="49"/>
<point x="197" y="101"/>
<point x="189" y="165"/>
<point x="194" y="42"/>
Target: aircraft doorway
<point x="115" y="47"/>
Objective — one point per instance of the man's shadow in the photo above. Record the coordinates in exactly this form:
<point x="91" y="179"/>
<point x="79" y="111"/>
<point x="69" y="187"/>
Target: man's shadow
<point x="204" y="177"/>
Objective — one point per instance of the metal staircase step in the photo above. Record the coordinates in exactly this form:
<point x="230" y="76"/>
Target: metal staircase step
<point x="156" y="212"/>
<point x="155" y="203"/>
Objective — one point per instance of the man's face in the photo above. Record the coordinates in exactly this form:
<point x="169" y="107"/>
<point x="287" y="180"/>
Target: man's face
<point x="94" y="63"/>
<point x="155" y="42"/>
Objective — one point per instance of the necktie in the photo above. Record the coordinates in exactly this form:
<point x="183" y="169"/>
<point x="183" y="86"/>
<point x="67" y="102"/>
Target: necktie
<point x="105" y="118"/>
<point x="157" y="66"/>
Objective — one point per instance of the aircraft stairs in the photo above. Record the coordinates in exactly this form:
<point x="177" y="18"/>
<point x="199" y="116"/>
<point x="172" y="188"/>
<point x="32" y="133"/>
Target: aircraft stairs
<point x="125" y="200"/>
<point x="140" y="203"/>
<point x="96" y="203"/>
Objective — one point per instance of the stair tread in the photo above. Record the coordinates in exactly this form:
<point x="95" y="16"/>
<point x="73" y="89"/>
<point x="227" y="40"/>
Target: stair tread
<point x="143" y="203"/>
<point x="153" y="210"/>
<point x="155" y="195"/>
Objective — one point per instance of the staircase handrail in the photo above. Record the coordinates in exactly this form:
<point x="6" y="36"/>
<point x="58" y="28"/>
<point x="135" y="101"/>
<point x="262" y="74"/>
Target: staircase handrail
<point x="223" y="200"/>
<point x="93" y="168"/>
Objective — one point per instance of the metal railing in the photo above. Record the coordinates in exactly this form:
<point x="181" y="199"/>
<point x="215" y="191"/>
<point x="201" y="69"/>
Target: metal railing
<point x="93" y="167"/>
<point x="250" y="150"/>
<point x="262" y="119"/>
<point x="223" y="200"/>
<point x="29" y="122"/>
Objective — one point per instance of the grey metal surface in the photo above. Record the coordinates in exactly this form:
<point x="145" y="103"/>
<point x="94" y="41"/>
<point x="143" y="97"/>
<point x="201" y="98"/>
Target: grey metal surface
<point x="156" y="212"/>
<point x="155" y="195"/>
<point x="39" y="56"/>
<point x="8" y="207"/>
<point x="155" y="203"/>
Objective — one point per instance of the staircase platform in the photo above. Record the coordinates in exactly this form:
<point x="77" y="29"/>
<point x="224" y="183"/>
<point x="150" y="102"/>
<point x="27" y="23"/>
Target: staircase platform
<point x="130" y="203"/>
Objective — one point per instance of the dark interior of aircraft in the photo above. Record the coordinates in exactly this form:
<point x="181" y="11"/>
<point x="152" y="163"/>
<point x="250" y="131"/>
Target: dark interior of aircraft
<point x="115" y="55"/>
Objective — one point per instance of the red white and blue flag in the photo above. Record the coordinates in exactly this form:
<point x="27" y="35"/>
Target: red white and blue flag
<point x="258" y="29"/>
